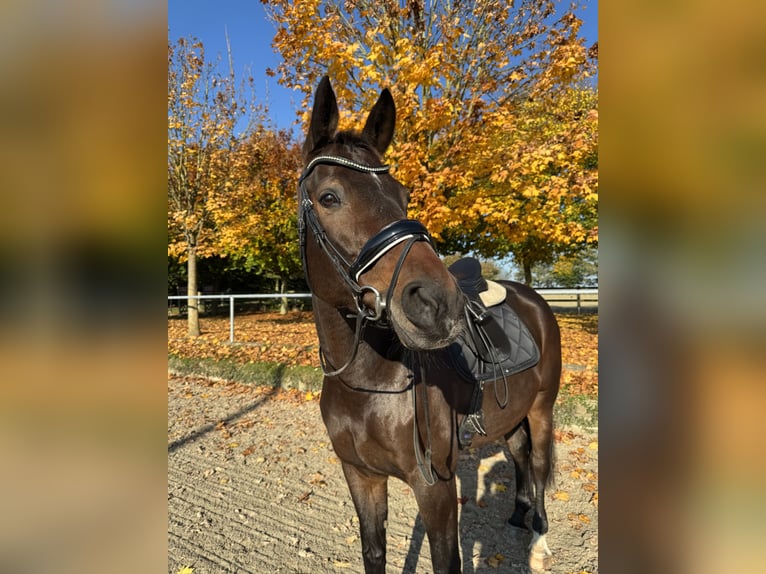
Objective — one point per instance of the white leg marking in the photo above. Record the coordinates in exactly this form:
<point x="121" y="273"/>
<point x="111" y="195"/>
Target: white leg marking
<point x="539" y="553"/>
<point x="539" y="544"/>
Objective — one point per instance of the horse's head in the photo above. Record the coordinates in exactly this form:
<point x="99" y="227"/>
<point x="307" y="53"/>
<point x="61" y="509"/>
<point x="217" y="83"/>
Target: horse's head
<point x="360" y="251"/>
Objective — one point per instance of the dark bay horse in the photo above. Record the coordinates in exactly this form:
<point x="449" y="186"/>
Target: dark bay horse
<point x="386" y="308"/>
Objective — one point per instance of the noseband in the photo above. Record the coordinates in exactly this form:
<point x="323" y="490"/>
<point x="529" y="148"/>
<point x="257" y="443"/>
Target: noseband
<point x="407" y="231"/>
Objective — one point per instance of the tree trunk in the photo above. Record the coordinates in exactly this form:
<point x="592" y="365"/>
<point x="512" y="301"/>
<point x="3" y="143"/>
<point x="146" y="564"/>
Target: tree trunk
<point x="192" y="305"/>
<point x="527" y="273"/>
<point x="281" y="285"/>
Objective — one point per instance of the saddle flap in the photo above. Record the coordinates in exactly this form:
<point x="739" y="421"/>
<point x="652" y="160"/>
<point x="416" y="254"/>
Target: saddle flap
<point x="490" y="341"/>
<point x="496" y="344"/>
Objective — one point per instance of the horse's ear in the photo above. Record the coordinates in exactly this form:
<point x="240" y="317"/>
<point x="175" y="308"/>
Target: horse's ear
<point x="324" y="117"/>
<point x="379" y="128"/>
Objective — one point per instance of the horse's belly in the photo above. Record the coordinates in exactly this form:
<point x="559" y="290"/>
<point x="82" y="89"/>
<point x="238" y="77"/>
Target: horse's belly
<point x="504" y="407"/>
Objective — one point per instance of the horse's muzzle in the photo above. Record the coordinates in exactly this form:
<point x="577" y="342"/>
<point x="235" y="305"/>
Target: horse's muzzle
<point x="430" y="315"/>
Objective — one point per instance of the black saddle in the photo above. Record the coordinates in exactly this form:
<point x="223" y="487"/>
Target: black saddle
<point x="495" y="345"/>
<point x="496" y="342"/>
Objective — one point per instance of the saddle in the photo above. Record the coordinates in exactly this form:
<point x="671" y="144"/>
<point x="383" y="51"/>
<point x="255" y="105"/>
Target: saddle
<point x="495" y="345"/>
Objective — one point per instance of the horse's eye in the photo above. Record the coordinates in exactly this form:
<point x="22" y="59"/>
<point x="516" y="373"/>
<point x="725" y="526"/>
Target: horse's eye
<point x="328" y="199"/>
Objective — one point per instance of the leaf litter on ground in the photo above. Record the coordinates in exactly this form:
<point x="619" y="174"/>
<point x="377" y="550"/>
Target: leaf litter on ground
<point x="291" y="339"/>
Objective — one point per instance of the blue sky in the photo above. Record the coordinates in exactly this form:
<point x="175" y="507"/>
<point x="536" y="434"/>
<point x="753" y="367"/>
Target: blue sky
<point x="250" y="35"/>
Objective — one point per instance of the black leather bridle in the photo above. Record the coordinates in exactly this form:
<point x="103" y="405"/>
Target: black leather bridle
<point x="407" y="231"/>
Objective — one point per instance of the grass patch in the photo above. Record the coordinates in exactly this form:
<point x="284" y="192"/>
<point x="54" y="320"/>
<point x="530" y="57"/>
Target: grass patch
<point x="266" y="374"/>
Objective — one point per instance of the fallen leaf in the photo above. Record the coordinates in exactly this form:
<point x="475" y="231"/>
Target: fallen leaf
<point x="318" y="479"/>
<point x="186" y="570"/>
<point x="563" y="436"/>
<point x="305" y="496"/>
<point x="561" y="495"/>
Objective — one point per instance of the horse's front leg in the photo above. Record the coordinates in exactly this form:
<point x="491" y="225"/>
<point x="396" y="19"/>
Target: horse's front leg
<point x="370" y="495"/>
<point x="438" y="509"/>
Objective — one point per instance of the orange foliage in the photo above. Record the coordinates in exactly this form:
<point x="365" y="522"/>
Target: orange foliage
<point x="495" y="129"/>
<point x="579" y="354"/>
<point x="203" y="109"/>
<point x="257" y="217"/>
<point x="261" y="337"/>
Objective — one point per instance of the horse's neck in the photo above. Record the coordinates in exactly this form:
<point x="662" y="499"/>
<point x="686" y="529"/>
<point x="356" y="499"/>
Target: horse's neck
<point x="379" y="355"/>
<point x="334" y="330"/>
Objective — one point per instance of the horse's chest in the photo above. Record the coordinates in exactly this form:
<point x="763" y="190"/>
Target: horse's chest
<point x="368" y="431"/>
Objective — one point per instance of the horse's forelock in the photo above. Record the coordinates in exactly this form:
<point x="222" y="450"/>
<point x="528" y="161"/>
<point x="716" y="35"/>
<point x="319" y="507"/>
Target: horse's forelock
<point x="355" y="146"/>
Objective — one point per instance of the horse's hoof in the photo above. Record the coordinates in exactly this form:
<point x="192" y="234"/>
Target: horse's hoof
<point x="540" y="561"/>
<point x="540" y="556"/>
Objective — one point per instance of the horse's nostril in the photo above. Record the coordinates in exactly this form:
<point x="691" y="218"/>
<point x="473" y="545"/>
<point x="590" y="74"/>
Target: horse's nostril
<point x="422" y="303"/>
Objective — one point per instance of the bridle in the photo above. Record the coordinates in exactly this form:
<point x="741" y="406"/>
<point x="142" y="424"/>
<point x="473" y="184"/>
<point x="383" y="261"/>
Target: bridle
<point x="407" y="231"/>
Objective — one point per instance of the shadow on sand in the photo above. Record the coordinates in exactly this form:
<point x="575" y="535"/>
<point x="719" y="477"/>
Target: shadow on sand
<point x="488" y="543"/>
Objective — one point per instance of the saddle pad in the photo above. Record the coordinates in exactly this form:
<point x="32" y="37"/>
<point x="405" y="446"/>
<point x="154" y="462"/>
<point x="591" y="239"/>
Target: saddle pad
<point x="522" y="354"/>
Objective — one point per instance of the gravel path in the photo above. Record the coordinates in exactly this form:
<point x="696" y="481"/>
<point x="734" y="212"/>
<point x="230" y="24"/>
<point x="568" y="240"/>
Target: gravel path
<point x="254" y="486"/>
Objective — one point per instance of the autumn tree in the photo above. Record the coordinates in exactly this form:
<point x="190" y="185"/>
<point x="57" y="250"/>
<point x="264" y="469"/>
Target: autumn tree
<point x="204" y="107"/>
<point x="539" y="195"/>
<point x="258" y="219"/>
<point x="576" y="270"/>
<point x="471" y="80"/>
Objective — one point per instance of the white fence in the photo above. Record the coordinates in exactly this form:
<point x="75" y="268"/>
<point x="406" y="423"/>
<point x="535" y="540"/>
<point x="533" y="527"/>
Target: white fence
<point x="578" y="299"/>
<point x="231" y="299"/>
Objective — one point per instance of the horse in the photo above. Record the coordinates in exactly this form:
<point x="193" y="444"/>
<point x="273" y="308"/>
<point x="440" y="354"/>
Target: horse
<point x="386" y="309"/>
